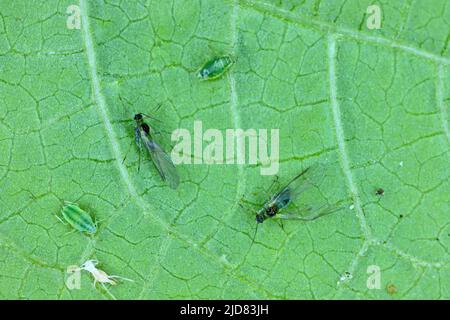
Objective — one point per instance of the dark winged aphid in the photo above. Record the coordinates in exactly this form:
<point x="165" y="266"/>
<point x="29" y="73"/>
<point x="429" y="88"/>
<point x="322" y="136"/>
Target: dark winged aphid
<point x="215" y="68"/>
<point x="379" y="192"/>
<point x="286" y="204"/>
<point x="162" y="161"/>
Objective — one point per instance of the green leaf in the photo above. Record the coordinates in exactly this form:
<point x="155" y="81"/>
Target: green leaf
<point x="371" y="103"/>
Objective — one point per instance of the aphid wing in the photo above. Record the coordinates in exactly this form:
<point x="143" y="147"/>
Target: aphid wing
<point x="281" y="199"/>
<point x="300" y="183"/>
<point x="163" y="163"/>
<point x="307" y="194"/>
<point x="311" y="213"/>
<point x="311" y="176"/>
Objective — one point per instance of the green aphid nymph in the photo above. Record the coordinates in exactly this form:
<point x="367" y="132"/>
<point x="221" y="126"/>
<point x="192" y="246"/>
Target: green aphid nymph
<point x="215" y="68"/>
<point x="78" y="218"/>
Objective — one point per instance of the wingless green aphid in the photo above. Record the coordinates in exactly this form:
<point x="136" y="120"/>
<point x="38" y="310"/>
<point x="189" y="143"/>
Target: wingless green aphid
<point x="281" y="201"/>
<point x="162" y="161"/>
<point x="215" y="68"/>
<point x="78" y="218"/>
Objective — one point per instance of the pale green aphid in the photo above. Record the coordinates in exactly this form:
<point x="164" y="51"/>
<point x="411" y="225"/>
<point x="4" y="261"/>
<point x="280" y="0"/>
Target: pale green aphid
<point x="215" y="68"/>
<point x="101" y="276"/>
<point x="78" y="218"/>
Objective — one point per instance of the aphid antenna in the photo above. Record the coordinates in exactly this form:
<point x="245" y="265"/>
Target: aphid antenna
<point x="153" y="118"/>
<point x="157" y="107"/>
<point x="219" y="52"/>
<point x="154" y="111"/>
<point x="146" y="115"/>
<point x="215" y="52"/>
<point x="125" y="99"/>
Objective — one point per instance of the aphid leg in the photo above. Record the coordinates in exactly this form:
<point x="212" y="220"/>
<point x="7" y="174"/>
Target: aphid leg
<point x="254" y="236"/>
<point x="64" y="223"/>
<point x="245" y="205"/>
<point x="96" y="222"/>
<point x="106" y="289"/>
<point x="280" y="222"/>
<point x="139" y="157"/>
<point x="121" y="278"/>
<point x="138" y="141"/>
<point x="323" y="211"/>
<point x="247" y="202"/>
<point x="162" y="130"/>
<point x="240" y="202"/>
<point x="71" y="231"/>
<point x="126" y="154"/>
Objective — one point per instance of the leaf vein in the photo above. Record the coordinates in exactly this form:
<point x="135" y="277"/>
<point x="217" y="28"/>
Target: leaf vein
<point x="331" y="28"/>
<point x="342" y="149"/>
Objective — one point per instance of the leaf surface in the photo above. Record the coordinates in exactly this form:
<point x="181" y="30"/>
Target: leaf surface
<point x="371" y="103"/>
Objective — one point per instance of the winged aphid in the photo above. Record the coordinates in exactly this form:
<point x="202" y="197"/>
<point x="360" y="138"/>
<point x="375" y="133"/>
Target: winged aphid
<point x="288" y="203"/>
<point x="161" y="160"/>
